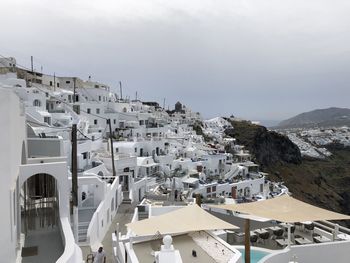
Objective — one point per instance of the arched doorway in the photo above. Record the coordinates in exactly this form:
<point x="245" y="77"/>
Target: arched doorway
<point x="39" y="207"/>
<point x="39" y="203"/>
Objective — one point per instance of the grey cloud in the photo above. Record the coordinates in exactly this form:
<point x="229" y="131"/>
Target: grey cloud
<point x="256" y="59"/>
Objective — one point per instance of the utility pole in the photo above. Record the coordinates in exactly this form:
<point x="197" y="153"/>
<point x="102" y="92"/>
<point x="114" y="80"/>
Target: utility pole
<point x="164" y="104"/>
<point x="136" y="96"/>
<point x="121" y="90"/>
<point x="32" y="66"/>
<point x="111" y="141"/>
<point x="54" y="81"/>
<point x="247" y="240"/>
<point x="74" y="182"/>
<point x="74" y="79"/>
<point x="31" y="62"/>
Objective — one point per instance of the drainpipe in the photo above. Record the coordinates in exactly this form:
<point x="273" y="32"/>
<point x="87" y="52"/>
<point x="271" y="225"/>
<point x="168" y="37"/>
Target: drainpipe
<point x="117" y="233"/>
<point x="289" y="235"/>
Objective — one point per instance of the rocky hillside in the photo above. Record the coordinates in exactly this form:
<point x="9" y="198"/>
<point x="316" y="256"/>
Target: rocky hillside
<point x="324" y="183"/>
<point x="267" y="147"/>
<point x="321" y="118"/>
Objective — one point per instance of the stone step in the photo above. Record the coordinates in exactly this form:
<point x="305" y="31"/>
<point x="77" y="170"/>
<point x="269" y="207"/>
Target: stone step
<point x="126" y="201"/>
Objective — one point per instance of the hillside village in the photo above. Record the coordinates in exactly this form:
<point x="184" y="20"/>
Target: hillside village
<point x="83" y="163"/>
<point x="312" y="141"/>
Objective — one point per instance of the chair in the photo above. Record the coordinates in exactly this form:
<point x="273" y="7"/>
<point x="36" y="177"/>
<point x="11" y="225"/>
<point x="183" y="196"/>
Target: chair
<point x="315" y="239"/>
<point x="253" y="238"/>
<point x="278" y="233"/>
<point x="309" y="226"/>
<point x="264" y="236"/>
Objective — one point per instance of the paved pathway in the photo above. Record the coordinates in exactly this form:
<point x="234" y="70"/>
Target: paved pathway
<point x="123" y="216"/>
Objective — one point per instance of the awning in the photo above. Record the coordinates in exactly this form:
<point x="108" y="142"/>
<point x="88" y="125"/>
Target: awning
<point x="285" y="209"/>
<point x="188" y="219"/>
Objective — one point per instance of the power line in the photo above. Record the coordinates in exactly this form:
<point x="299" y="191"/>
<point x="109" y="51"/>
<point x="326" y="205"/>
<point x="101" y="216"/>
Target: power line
<point x="55" y="96"/>
<point x="24" y="67"/>
<point x="91" y="138"/>
<point x="42" y="125"/>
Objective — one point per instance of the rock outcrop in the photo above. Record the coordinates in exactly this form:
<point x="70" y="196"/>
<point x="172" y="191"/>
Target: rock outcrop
<point x="267" y="147"/>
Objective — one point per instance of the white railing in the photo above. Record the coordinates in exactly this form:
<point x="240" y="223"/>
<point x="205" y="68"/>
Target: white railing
<point x="100" y="222"/>
<point x="72" y="252"/>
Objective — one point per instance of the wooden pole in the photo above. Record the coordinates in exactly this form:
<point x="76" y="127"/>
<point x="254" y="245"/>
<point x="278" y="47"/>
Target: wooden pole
<point x="121" y="90"/>
<point x="111" y="141"/>
<point x="75" y="182"/>
<point x="74" y="90"/>
<point x="247" y="240"/>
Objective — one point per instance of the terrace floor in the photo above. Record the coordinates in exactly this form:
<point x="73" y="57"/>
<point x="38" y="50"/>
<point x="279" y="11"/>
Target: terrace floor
<point x="184" y="243"/>
<point x="42" y="246"/>
<point x="301" y="236"/>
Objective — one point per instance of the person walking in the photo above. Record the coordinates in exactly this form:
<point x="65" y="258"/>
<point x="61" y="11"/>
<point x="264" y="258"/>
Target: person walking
<point x="100" y="256"/>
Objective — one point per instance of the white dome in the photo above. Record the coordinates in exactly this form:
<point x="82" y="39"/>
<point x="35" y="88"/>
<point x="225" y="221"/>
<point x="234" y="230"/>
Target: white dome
<point x="167" y="241"/>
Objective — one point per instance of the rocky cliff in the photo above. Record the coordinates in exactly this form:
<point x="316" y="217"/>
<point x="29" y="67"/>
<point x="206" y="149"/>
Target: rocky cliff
<point x="267" y="147"/>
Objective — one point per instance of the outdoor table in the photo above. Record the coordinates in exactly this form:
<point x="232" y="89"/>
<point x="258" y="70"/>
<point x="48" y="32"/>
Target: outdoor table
<point x="275" y="228"/>
<point x="260" y="231"/>
<point x="282" y="242"/>
<point x="302" y="241"/>
<point x="321" y="239"/>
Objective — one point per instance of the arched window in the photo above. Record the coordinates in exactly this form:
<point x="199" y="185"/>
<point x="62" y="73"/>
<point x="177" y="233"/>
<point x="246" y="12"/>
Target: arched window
<point x="37" y="103"/>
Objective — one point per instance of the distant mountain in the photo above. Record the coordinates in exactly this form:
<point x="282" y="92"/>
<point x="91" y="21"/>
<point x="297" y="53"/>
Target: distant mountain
<point x="319" y="118"/>
<point x="269" y="123"/>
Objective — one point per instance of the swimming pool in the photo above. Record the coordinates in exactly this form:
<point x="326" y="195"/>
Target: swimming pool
<point x="255" y="255"/>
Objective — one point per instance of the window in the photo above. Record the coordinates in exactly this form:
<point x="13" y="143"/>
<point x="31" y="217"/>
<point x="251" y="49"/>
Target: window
<point x="114" y="121"/>
<point x="47" y="120"/>
<point x="89" y="111"/>
<point x="97" y="111"/>
<point x="58" y="85"/>
<point x="214" y="189"/>
<point x="99" y="98"/>
<point x="67" y="81"/>
<point x="95" y="122"/>
<point x="116" y="150"/>
<point x="208" y="190"/>
<point x="36" y="103"/>
<point x="135" y="150"/>
<point x="50" y="83"/>
<point x="85" y="155"/>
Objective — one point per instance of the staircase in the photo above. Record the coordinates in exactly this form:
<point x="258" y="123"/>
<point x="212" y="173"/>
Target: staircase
<point x="232" y="173"/>
<point x="82" y="231"/>
<point x="126" y="199"/>
<point x="142" y="216"/>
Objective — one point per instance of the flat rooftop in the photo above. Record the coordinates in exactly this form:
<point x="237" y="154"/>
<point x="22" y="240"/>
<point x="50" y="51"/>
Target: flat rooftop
<point x="208" y="249"/>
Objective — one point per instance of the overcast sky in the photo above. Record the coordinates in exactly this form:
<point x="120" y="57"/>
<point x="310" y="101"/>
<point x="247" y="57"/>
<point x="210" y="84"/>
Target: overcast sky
<point x="258" y="59"/>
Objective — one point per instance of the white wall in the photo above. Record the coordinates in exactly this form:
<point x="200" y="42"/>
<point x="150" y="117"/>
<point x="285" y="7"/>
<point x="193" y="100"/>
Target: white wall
<point x="320" y="253"/>
<point x="100" y="222"/>
<point x="12" y="136"/>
